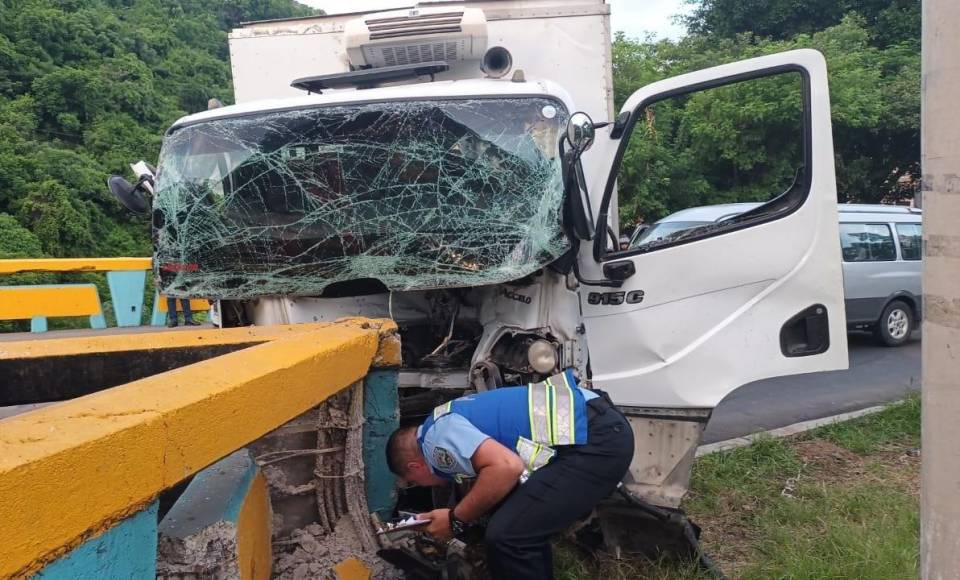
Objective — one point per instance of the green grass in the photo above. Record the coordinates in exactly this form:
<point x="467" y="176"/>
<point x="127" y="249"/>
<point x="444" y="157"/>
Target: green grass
<point x="864" y="531"/>
<point x="898" y="424"/>
<point x="852" y="516"/>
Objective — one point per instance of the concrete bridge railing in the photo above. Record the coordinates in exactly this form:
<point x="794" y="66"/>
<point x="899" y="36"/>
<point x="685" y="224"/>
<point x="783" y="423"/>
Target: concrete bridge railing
<point x="126" y="280"/>
<point x="79" y="479"/>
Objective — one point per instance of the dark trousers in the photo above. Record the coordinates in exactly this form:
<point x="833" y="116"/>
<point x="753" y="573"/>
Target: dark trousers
<point x="172" y="309"/>
<point x="556" y="496"/>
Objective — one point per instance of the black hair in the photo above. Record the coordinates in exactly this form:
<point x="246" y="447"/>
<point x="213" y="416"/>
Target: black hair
<point x="395" y="450"/>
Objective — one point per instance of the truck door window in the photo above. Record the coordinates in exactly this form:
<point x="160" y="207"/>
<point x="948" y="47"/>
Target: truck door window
<point x="867" y="243"/>
<point x="910" y="241"/>
<point x="706" y="162"/>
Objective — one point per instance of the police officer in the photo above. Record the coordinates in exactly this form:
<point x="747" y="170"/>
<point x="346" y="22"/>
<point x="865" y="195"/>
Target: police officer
<point x="541" y="456"/>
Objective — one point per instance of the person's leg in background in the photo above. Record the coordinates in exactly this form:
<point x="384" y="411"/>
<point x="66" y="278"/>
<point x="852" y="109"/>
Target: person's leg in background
<point x="187" y="315"/>
<point x="171" y="312"/>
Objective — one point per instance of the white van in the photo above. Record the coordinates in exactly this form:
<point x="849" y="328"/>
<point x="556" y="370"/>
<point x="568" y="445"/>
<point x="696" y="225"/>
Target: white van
<point x="881" y="247"/>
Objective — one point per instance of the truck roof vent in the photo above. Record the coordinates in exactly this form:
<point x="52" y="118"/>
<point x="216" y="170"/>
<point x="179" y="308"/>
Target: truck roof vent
<point x="416" y="36"/>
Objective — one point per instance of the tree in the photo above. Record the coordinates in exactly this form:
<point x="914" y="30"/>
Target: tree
<point x="717" y="146"/>
<point x="889" y="21"/>
<point x="88" y="86"/>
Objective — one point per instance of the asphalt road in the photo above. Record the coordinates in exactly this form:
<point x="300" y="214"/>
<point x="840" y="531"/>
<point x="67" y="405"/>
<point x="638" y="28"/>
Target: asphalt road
<point x="877" y="374"/>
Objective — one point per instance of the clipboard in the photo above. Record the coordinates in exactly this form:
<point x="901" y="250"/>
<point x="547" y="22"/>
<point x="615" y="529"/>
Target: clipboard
<point x="403" y="525"/>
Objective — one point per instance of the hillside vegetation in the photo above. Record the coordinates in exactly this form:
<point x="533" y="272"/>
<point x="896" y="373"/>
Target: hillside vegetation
<point x="87" y="86"/>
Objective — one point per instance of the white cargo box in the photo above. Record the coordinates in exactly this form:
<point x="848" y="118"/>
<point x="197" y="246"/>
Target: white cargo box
<point x="566" y="41"/>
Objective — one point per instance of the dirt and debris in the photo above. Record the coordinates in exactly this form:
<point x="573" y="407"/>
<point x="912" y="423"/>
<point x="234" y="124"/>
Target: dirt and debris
<point x="210" y="553"/>
<point x="314" y="468"/>
<point x="830" y="461"/>
<point x="311" y="552"/>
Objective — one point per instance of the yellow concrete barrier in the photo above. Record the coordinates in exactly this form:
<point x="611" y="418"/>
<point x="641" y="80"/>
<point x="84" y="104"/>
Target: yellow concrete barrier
<point x="17" y="266"/>
<point x="196" y="305"/>
<point x="24" y="302"/>
<point x="171" y="339"/>
<point x="70" y="470"/>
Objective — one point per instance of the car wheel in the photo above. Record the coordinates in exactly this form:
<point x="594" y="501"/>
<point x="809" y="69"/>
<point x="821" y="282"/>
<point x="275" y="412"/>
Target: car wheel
<point x="896" y="324"/>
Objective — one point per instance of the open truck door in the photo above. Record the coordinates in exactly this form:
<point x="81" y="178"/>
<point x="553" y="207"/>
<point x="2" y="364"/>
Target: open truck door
<point x="684" y="318"/>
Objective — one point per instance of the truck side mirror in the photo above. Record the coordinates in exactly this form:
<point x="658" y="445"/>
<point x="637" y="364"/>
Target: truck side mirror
<point x="133" y="197"/>
<point x="580" y="131"/>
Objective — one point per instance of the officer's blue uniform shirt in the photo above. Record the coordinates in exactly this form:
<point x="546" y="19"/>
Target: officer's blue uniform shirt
<point x="451" y="440"/>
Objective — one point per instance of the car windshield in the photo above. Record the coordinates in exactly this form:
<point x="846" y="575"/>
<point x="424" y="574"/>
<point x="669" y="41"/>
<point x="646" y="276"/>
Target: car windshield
<point x="661" y="231"/>
<point x="415" y="194"/>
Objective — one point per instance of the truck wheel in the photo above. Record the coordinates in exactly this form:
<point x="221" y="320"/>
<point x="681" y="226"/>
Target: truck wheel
<point x="895" y="324"/>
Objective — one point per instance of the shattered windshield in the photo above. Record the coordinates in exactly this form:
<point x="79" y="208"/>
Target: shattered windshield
<point x="415" y="194"/>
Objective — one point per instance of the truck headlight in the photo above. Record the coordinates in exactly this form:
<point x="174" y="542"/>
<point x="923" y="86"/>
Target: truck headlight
<point x="542" y="356"/>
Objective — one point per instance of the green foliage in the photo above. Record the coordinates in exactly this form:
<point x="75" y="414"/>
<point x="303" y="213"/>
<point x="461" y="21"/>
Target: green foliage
<point x="742" y="143"/>
<point x="86" y="87"/>
<point x="16" y="241"/>
<point x="899" y="424"/>
<point x="893" y="21"/>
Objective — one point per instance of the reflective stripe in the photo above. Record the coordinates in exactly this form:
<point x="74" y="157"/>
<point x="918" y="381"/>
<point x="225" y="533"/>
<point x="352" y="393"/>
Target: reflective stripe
<point x="442" y="410"/>
<point x="534" y="455"/>
<point x="552" y="415"/>
<point x="539" y="413"/>
<point x="565" y="433"/>
<point x="552" y="398"/>
<point x="562" y="413"/>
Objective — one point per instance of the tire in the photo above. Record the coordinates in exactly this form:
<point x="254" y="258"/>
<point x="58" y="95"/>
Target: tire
<point x="896" y="324"/>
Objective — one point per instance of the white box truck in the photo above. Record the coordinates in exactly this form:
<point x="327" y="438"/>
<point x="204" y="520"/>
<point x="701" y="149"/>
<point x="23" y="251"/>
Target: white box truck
<point x="434" y="165"/>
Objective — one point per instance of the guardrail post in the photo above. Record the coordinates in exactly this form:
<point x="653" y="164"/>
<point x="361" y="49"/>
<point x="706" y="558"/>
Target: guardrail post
<point x="38" y="324"/>
<point x="126" y="294"/>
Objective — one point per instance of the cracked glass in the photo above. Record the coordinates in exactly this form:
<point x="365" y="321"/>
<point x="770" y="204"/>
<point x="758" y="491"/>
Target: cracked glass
<point x="415" y="194"/>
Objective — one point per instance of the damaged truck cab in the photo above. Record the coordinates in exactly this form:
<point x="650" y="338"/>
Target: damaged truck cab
<point x="433" y="165"/>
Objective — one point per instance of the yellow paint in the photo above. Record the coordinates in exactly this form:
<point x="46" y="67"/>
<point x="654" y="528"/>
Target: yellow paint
<point x="389" y="353"/>
<point x="22" y="302"/>
<point x="352" y="569"/>
<point x="55" y="347"/>
<point x="71" y="469"/>
<point x="73" y="265"/>
<point x="196" y="304"/>
<point x="254" y="529"/>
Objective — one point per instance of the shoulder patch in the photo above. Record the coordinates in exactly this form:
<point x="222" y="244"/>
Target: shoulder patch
<point x="443" y="458"/>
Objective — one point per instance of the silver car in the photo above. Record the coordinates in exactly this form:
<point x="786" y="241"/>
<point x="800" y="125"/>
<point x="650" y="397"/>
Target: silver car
<point x="881" y="246"/>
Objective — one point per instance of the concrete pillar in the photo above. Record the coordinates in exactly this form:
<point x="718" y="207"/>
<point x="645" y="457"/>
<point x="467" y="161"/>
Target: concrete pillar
<point x="940" y="499"/>
<point x="382" y="415"/>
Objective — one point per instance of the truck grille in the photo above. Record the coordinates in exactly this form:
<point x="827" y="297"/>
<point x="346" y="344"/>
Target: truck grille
<point x="416" y="53"/>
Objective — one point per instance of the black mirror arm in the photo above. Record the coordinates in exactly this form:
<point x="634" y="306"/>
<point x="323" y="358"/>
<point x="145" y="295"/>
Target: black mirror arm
<point x="575" y="156"/>
<point x="605" y="283"/>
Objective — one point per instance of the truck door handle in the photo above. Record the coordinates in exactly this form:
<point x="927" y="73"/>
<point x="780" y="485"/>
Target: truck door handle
<point x="619" y="270"/>
<point x="807" y="333"/>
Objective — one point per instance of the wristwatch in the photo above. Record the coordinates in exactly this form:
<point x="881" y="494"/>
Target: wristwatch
<point x="457" y="526"/>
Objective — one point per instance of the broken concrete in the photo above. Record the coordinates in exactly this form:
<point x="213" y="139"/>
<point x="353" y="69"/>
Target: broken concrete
<point x="312" y="553"/>
<point x="209" y="553"/>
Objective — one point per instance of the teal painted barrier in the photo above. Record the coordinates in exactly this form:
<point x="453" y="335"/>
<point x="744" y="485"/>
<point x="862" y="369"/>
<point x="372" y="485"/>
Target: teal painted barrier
<point x="126" y="295"/>
<point x="382" y="417"/>
<point x="216" y="494"/>
<point x="127" y="551"/>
